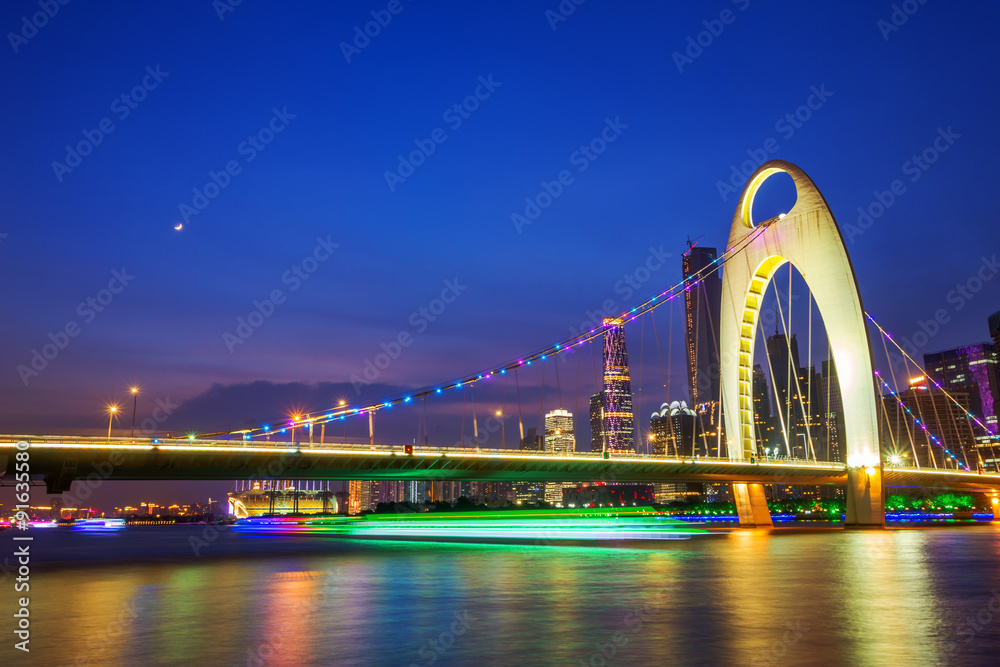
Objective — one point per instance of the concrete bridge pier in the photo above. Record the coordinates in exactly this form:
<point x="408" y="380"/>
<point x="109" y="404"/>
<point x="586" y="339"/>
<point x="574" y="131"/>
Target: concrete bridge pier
<point x="751" y="506"/>
<point x="865" y="500"/>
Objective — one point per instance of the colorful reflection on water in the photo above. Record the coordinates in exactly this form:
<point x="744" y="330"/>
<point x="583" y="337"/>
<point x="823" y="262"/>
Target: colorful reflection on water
<point x="575" y="525"/>
<point x="298" y="597"/>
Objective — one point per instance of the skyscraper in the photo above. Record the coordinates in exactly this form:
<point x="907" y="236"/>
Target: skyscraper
<point x="795" y="391"/>
<point x="761" y="407"/>
<point x="530" y="492"/>
<point x="971" y="369"/>
<point x="783" y="357"/>
<point x="903" y="437"/>
<point x="661" y="440"/>
<point x="702" y="305"/>
<point x="832" y="423"/>
<point x="559" y="439"/>
<point x="994" y="322"/>
<point x="532" y="442"/>
<point x="559" y="436"/>
<point x="618" y="424"/>
<point x="674" y="431"/>
<point x="597" y="422"/>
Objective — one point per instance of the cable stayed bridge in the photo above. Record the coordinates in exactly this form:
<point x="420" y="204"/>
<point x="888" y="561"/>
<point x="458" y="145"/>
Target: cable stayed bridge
<point x="806" y="237"/>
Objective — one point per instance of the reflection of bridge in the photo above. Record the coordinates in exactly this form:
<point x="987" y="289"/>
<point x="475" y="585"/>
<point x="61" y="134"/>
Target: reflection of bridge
<point x="64" y="459"/>
<point x="806" y="237"/>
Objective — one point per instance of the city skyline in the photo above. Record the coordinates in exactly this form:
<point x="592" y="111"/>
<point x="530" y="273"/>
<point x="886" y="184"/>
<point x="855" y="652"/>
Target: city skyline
<point x="196" y="378"/>
<point x="375" y="332"/>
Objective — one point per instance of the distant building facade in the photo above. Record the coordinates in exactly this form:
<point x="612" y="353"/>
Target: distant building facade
<point x="559" y="439"/>
<point x="597" y="443"/>
<point x="971" y="369"/>
<point x="258" y="497"/>
<point x="901" y="436"/>
<point x="609" y="495"/>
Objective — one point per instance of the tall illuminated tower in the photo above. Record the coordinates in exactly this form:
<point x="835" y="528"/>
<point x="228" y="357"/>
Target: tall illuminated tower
<point x="619" y="425"/>
<point x="702" y="307"/>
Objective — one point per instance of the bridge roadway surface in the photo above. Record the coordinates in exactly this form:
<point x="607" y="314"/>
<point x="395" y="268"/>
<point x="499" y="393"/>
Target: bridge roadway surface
<point x="62" y="459"/>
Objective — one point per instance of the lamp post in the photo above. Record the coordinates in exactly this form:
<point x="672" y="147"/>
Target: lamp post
<point x="342" y="403"/>
<point x="135" y="399"/>
<point x="112" y="409"/>
<point x="503" y="430"/>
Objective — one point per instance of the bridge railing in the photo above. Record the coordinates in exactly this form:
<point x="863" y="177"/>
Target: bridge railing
<point x="931" y="469"/>
<point x="118" y="442"/>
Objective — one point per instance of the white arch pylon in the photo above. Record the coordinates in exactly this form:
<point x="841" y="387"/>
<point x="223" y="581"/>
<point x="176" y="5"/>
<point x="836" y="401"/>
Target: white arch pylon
<point x="808" y="237"/>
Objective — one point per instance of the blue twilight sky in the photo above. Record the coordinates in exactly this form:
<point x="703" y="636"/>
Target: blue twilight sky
<point x="682" y="117"/>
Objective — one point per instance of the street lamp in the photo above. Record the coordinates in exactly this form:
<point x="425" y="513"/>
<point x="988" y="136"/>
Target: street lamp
<point x="135" y="399"/>
<point x="503" y="430"/>
<point x="342" y="403"/>
<point x="295" y="418"/>
<point x="112" y="410"/>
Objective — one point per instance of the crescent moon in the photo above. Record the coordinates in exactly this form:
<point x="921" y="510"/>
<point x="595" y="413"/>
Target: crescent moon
<point x="179" y="226"/>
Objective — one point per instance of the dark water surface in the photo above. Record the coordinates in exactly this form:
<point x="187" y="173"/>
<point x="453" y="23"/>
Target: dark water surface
<point x="814" y="597"/>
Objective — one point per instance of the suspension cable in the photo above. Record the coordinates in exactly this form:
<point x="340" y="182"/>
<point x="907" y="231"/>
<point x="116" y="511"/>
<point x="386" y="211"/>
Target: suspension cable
<point x="892" y="372"/>
<point x="578" y="339"/>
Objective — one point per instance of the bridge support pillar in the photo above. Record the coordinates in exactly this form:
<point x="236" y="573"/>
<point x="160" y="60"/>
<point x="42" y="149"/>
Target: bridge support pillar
<point x="751" y="505"/>
<point x="865" y="502"/>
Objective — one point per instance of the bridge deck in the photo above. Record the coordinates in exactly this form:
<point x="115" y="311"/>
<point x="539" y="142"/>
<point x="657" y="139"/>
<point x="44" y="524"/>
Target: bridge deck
<point x="62" y="459"/>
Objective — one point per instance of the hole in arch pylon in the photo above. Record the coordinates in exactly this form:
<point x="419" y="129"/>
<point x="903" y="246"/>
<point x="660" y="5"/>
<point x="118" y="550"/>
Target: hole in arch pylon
<point x="808" y="237"/>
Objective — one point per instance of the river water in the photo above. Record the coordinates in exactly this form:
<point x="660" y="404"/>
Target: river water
<point x="796" y="597"/>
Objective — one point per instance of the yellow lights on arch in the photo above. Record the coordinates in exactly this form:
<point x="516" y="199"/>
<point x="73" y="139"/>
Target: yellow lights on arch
<point x="807" y="237"/>
<point x="745" y="211"/>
